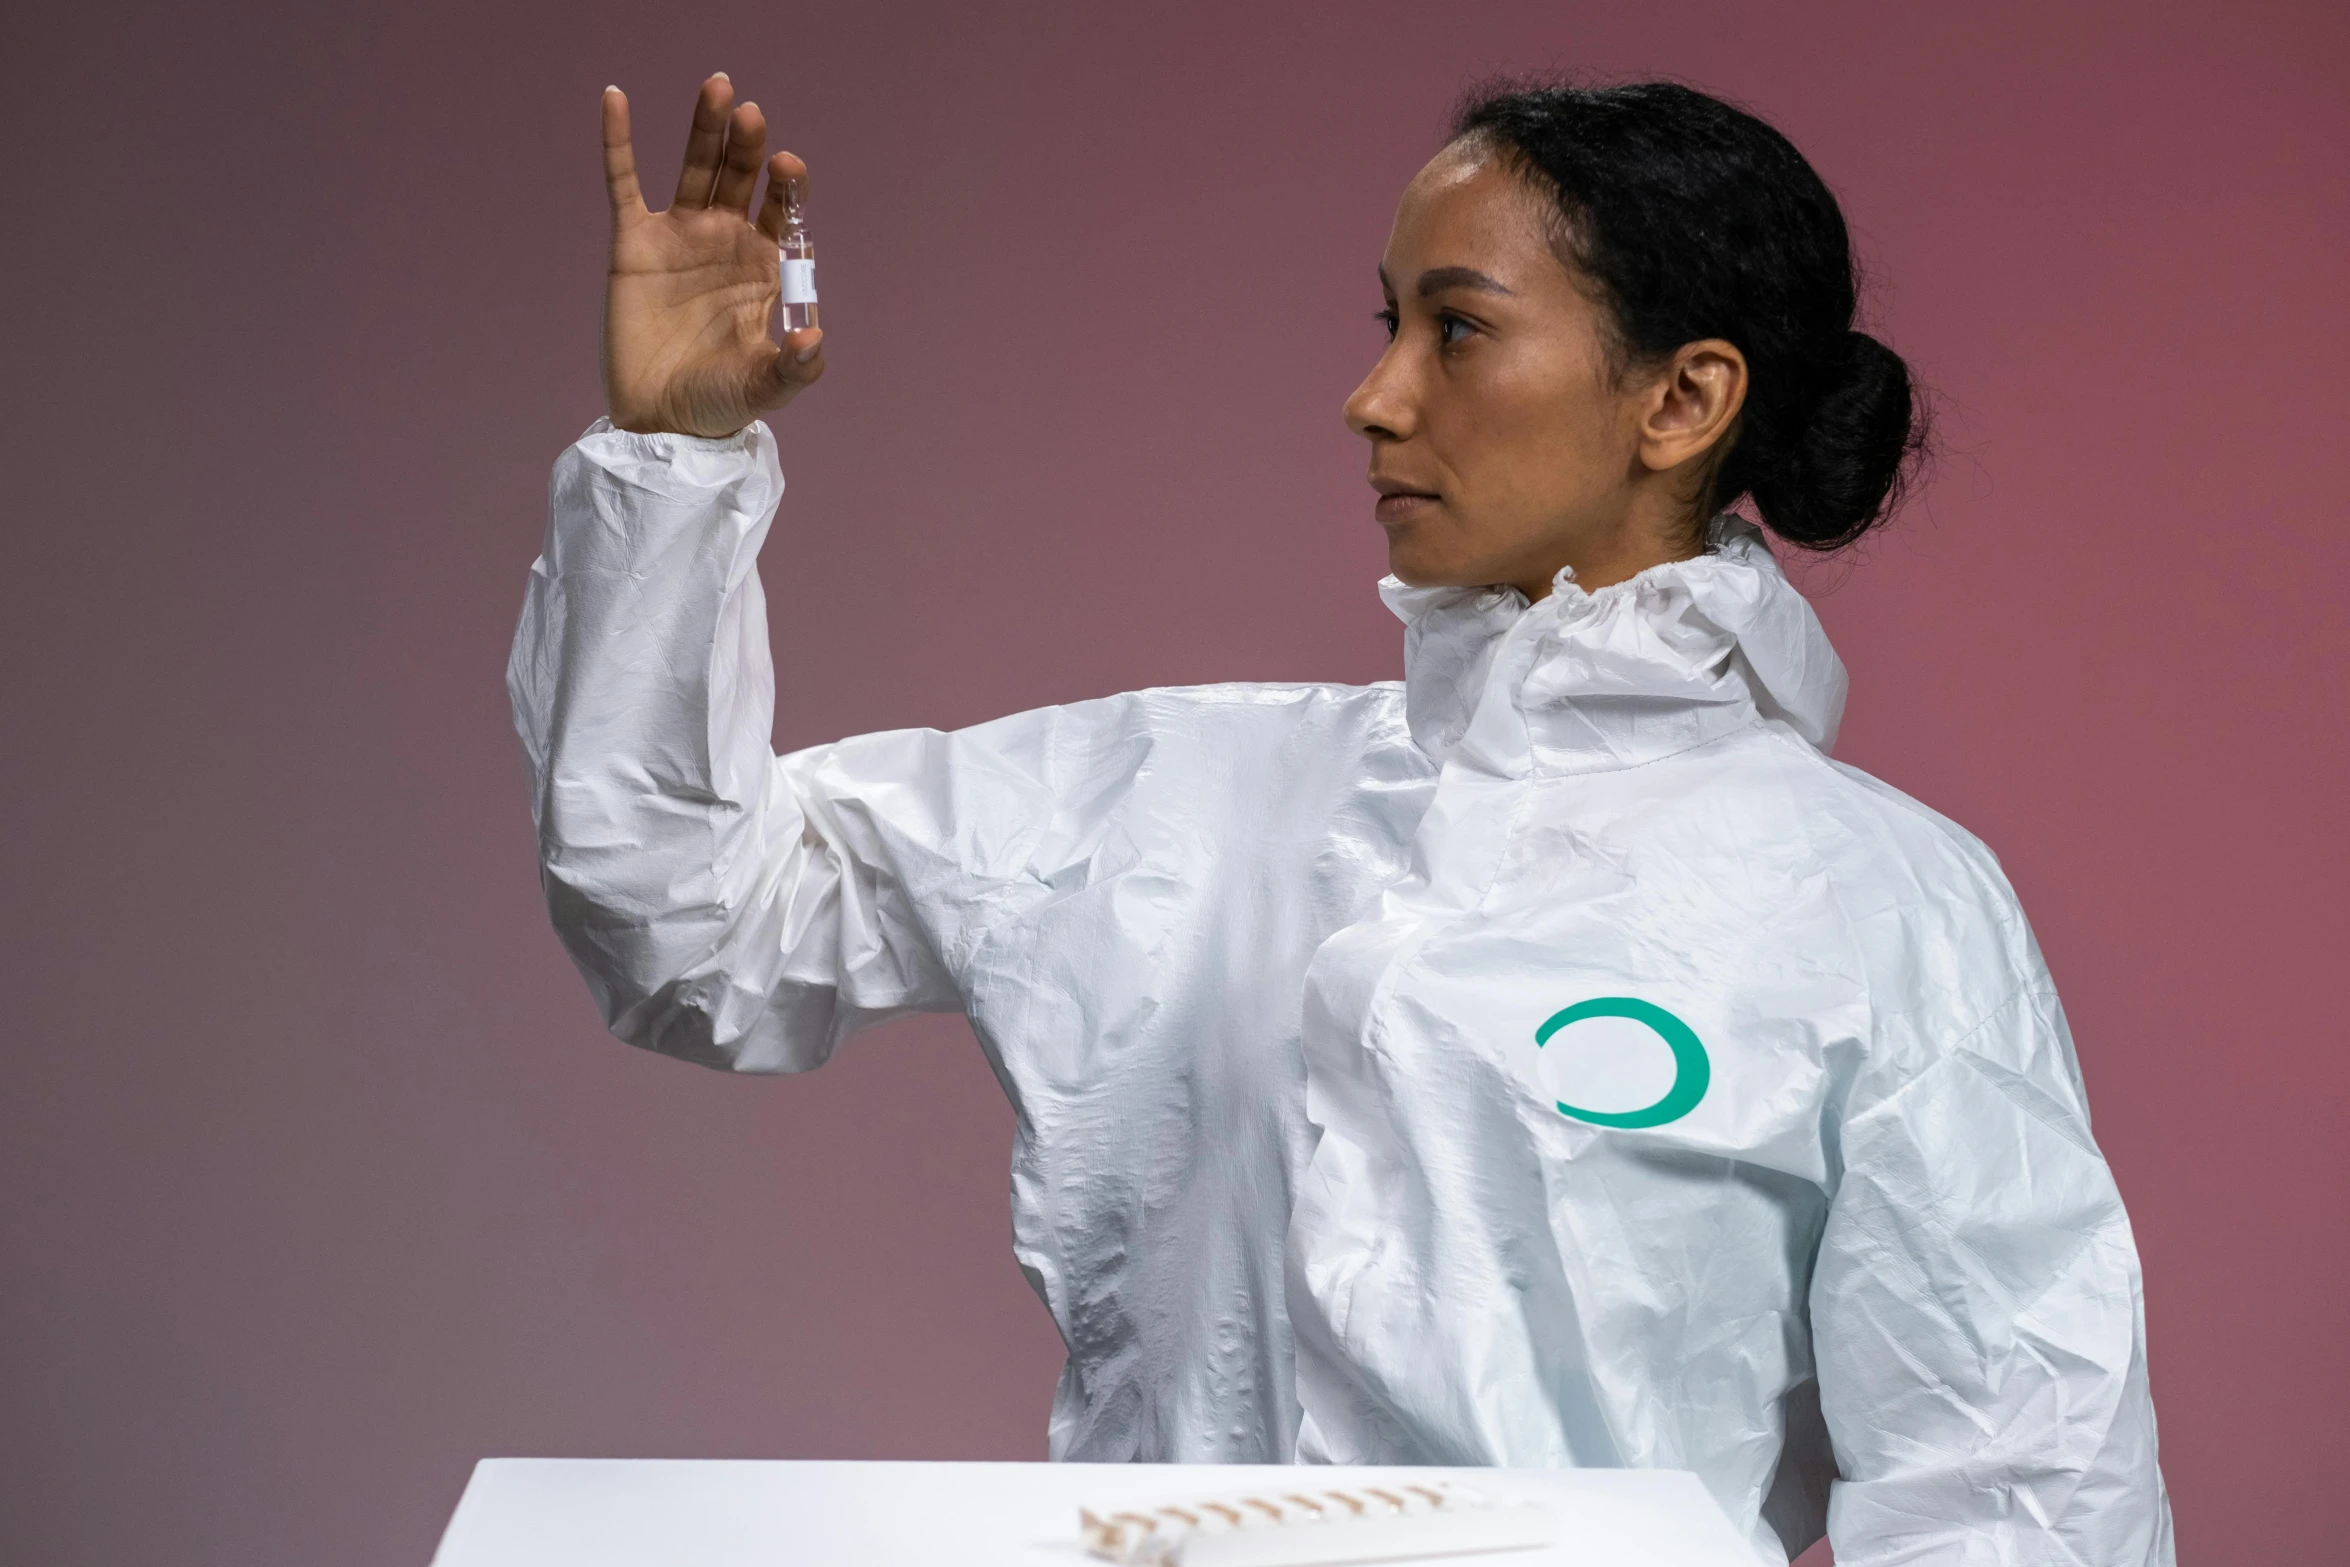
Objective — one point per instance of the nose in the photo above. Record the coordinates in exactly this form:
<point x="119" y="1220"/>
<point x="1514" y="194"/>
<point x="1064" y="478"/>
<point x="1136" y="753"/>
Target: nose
<point x="1379" y="409"/>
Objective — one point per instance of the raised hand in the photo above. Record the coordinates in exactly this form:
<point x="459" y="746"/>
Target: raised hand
<point x="690" y="292"/>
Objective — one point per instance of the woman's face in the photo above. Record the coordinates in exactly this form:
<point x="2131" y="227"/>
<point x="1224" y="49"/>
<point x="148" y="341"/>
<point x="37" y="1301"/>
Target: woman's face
<point x="1503" y="444"/>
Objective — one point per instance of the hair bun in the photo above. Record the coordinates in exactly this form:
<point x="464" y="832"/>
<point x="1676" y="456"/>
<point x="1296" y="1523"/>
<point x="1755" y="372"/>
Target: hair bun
<point x="1846" y="465"/>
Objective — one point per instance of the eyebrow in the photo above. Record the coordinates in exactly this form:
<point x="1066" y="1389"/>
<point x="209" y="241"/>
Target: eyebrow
<point x="1437" y="279"/>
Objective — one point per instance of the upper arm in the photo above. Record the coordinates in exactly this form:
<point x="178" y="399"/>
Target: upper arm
<point x="1976" y="1311"/>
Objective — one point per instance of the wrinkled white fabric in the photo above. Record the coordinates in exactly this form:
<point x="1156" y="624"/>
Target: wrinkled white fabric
<point x="1584" y="1067"/>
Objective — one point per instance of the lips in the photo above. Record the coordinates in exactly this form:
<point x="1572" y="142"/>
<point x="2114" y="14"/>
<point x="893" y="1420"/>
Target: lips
<point x="1396" y="510"/>
<point x="1400" y="502"/>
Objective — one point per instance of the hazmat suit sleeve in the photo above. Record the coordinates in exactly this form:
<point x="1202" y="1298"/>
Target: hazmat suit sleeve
<point x="1977" y="1315"/>
<point x="726" y="906"/>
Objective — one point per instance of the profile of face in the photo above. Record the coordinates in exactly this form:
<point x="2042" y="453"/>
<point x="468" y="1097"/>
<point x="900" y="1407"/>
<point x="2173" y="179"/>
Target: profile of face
<point x="1507" y="439"/>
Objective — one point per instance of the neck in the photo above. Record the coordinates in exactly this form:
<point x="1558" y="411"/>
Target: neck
<point x="1601" y="569"/>
<point x="1630" y="674"/>
<point x="1655" y="527"/>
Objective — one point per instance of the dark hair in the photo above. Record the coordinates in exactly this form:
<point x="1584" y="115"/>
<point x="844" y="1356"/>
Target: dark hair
<point x="1693" y="219"/>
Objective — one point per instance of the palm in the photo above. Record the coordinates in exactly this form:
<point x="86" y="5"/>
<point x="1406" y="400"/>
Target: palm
<point x="691" y="290"/>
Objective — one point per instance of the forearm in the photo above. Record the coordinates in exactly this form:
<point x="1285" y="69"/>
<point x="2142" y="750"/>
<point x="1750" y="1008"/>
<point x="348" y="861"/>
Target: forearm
<point x="643" y="695"/>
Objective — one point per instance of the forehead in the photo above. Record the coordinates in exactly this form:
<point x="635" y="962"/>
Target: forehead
<point x="1466" y="207"/>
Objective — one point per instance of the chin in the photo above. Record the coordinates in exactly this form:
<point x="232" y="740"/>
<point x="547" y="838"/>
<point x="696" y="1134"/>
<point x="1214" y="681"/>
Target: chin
<point x="1416" y="571"/>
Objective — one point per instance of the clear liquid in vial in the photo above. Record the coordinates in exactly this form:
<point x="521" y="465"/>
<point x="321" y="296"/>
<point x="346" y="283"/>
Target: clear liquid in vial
<point x="798" y="266"/>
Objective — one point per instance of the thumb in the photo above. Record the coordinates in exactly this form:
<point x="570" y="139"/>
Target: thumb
<point x="796" y="366"/>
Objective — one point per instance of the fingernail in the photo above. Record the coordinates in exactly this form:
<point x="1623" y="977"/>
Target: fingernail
<point x="807" y="353"/>
<point x="721" y="76"/>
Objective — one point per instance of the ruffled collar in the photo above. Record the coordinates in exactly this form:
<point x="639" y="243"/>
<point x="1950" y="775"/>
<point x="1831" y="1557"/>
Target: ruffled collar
<point x="1681" y="654"/>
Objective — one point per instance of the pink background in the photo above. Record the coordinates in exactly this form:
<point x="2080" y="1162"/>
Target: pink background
<point x="318" y="1177"/>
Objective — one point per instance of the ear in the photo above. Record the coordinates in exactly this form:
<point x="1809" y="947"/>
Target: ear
<point x="1692" y="404"/>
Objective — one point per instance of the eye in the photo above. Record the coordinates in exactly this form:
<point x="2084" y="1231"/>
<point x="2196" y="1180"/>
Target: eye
<point x="1452" y="330"/>
<point x="1387" y="319"/>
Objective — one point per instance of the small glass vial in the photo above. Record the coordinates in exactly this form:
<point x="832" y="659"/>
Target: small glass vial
<point x="798" y="264"/>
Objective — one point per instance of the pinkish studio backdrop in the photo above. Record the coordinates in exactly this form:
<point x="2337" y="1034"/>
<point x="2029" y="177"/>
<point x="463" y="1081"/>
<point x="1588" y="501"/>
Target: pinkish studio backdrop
<point x="318" y="1177"/>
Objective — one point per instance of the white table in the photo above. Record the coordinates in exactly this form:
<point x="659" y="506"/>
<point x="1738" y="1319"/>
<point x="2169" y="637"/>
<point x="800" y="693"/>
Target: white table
<point x="571" y="1512"/>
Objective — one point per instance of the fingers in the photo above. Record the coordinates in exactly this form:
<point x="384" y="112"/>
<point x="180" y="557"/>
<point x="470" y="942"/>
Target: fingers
<point x="795" y="367"/>
<point x="705" y="144"/>
<point x="785" y="174"/>
<point x="738" y="170"/>
<point x="628" y="200"/>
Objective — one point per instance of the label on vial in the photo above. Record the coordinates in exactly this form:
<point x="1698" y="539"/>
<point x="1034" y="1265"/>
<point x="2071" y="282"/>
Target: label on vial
<point x="799" y="281"/>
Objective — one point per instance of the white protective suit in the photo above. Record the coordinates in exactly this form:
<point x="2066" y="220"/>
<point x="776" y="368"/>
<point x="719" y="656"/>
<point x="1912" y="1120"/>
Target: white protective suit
<point x="1552" y="1059"/>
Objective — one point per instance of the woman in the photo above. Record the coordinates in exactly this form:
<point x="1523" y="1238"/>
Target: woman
<point x="1552" y="1059"/>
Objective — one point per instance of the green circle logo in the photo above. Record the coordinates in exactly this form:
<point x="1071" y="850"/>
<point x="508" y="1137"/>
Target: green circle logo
<point x="1692" y="1072"/>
